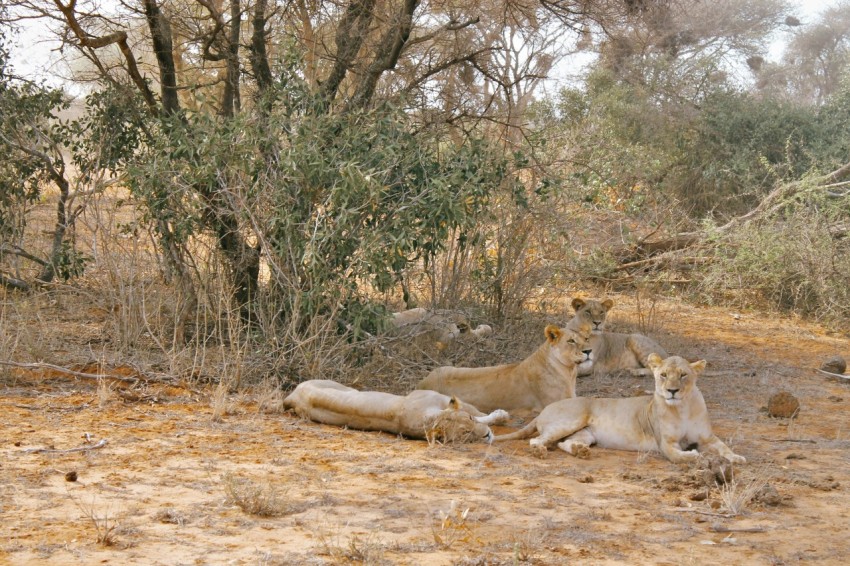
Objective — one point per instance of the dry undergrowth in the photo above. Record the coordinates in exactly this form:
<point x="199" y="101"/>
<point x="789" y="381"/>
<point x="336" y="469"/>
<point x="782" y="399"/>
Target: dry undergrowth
<point x="105" y="526"/>
<point x="453" y="526"/>
<point x="366" y="550"/>
<point x="736" y="495"/>
<point x="261" y="500"/>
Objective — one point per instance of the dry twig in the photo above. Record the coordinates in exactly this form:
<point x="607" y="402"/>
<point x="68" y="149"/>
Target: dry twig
<point x="100" y="444"/>
<point x="42" y="365"/>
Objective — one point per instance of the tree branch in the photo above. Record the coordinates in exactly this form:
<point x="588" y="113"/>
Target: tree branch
<point x="119" y="37"/>
<point x="392" y="43"/>
<point x="349" y="38"/>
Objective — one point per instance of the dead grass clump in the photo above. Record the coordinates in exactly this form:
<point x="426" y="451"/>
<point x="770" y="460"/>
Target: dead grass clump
<point x="105" y="526"/>
<point x="452" y="526"/>
<point x="355" y="550"/>
<point x="736" y="495"/>
<point x="258" y="500"/>
<point x="105" y="393"/>
<point x="220" y="402"/>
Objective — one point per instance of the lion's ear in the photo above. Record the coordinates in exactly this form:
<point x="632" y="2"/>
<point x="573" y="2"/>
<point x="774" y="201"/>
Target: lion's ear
<point x="654" y="361"/>
<point x="607" y="304"/>
<point x="698" y="366"/>
<point x="577" y="303"/>
<point x="454" y="403"/>
<point x="552" y="333"/>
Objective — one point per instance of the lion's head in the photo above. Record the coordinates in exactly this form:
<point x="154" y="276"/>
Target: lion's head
<point x="568" y="343"/>
<point x="454" y="425"/>
<point x="593" y="311"/>
<point x="675" y="377"/>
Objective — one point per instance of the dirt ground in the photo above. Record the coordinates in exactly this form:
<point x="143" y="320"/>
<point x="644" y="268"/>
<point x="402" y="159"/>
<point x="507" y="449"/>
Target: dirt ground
<point x="172" y="485"/>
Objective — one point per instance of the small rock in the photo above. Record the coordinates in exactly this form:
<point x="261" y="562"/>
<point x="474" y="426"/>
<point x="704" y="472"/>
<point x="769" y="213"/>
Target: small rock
<point x="783" y="405"/>
<point x="699" y="495"/>
<point x="71" y="476"/>
<point x="713" y="471"/>
<point x="587" y="478"/>
<point x="714" y="504"/>
<point x="768" y="496"/>
<point x="835" y="364"/>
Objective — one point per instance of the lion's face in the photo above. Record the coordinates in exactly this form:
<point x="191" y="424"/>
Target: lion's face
<point x="568" y="344"/>
<point x="593" y="311"/>
<point x="675" y="377"/>
<point x="454" y="425"/>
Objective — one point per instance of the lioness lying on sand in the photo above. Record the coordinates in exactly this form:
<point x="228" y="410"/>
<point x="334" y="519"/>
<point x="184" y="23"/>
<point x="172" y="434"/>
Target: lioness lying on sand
<point x="613" y="350"/>
<point x="547" y="375"/>
<point x="421" y="414"/>
<point x="674" y="420"/>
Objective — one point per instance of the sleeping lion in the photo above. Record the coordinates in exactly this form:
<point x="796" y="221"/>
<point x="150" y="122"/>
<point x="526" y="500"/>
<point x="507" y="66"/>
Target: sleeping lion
<point x="613" y="351"/>
<point x="673" y="420"/>
<point x="421" y="414"/>
<point x="547" y="375"/>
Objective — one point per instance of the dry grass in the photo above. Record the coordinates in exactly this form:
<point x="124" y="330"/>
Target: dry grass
<point x="647" y="308"/>
<point x="453" y="526"/>
<point x="737" y="494"/>
<point x="261" y="500"/>
<point x="105" y="394"/>
<point x="355" y="549"/>
<point x="105" y="526"/>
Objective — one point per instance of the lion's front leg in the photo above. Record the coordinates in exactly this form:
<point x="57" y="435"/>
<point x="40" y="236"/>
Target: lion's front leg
<point x="671" y="450"/>
<point x="497" y="417"/>
<point x="714" y="444"/>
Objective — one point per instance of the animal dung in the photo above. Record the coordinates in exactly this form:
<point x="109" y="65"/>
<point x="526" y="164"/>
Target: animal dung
<point x="783" y="405"/>
<point x="835" y="364"/>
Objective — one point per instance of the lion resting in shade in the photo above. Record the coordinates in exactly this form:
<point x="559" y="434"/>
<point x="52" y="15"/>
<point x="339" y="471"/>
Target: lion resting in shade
<point x="547" y="375"/>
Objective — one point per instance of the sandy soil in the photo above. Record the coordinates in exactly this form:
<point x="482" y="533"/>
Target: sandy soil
<point x="174" y="486"/>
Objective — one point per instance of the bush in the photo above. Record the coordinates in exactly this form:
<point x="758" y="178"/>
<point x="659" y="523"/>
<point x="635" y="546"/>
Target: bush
<point x="794" y="261"/>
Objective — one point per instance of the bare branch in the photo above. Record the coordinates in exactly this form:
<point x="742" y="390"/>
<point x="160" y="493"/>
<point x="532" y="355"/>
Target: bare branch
<point x="350" y="35"/>
<point x="392" y="43"/>
<point x="87" y="40"/>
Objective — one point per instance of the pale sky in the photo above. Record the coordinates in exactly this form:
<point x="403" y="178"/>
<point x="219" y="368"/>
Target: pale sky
<point x="35" y="57"/>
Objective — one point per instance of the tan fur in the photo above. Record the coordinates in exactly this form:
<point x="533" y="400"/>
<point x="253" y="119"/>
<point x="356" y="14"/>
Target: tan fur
<point x="672" y="420"/>
<point x="420" y="414"/>
<point x="547" y="375"/>
<point x="428" y="326"/>
<point x="613" y="351"/>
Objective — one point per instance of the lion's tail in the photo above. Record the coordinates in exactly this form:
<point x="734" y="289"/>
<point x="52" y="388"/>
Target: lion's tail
<point x="524" y="432"/>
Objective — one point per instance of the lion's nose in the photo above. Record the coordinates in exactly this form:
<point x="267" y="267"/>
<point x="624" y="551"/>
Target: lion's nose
<point x="673" y="392"/>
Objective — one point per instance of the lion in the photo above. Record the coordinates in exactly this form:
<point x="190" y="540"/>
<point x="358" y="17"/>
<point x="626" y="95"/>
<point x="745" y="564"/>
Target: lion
<point x="420" y="414"/>
<point x="674" y="420"/>
<point x="439" y="328"/>
<point x="547" y="375"/>
<point x="613" y="351"/>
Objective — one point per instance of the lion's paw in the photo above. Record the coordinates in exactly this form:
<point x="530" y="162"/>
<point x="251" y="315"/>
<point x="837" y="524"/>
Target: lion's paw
<point x="737" y="459"/>
<point x="538" y="450"/>
<point x="500" y="416"/>
<point x="580" y="450"/>
<point x="687" y="456"/>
